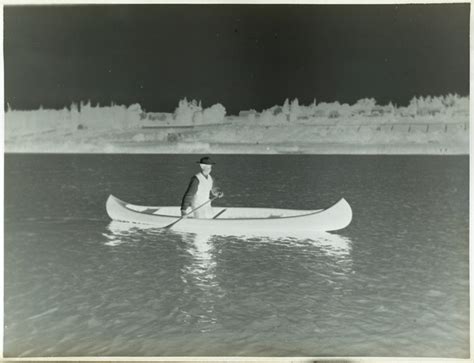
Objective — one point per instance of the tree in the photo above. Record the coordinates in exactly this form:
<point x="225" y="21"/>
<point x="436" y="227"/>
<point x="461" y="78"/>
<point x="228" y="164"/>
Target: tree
<point x="286" y="107"/>
<point x="294" y="110"/>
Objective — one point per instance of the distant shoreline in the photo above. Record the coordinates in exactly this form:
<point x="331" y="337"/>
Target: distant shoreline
<point x="127" y="130"/>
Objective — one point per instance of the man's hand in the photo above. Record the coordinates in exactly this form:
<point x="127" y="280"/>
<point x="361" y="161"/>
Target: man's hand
<point x="217" y="192"/>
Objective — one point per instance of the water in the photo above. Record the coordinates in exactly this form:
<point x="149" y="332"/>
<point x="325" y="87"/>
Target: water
<point x="394" y="283"/>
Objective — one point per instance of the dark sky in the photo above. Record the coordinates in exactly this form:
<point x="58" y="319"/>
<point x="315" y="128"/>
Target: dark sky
<point x="243" y="56"/>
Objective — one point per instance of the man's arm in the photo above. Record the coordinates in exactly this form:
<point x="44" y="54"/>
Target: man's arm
<point x="189" y="194"/>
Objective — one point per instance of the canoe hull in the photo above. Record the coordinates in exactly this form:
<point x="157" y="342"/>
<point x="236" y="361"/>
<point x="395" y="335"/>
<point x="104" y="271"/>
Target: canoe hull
<point x="334" y="218"/>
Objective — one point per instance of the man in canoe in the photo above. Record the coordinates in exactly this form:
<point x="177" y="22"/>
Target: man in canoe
<point x="199" y="190"/>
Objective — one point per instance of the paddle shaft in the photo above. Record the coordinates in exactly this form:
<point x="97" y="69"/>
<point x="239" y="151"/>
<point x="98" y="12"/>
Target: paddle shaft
<point x="195" y="209"/>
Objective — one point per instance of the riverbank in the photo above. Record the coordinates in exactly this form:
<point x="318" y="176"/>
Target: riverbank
<point x="415" y="137"/>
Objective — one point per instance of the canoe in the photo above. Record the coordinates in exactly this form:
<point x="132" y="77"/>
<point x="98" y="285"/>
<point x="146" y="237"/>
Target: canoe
<point x="336" y="217"/>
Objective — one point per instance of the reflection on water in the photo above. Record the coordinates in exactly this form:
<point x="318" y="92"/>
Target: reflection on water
<point x="119" y="233"/>
<point x="200" y="273"/>
<point x="200" y="244"/>
<point x="199" y="270"/>
<point x="200" y="248"/>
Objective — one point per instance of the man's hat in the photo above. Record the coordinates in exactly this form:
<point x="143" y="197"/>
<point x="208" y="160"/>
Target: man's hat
<point x="206" y="160"/>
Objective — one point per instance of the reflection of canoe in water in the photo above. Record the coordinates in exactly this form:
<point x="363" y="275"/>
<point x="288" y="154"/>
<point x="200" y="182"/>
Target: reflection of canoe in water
<point x="333" y="218"/>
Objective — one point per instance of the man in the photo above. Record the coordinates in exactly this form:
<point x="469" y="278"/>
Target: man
<point x="199" y="190"/>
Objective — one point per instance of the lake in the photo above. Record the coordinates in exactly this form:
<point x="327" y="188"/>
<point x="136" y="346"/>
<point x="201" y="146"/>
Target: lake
<point x="393" y="283"/>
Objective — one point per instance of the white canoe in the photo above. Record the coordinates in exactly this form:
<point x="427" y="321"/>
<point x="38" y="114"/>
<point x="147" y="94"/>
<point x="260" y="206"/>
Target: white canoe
<point x="235" y="220"/>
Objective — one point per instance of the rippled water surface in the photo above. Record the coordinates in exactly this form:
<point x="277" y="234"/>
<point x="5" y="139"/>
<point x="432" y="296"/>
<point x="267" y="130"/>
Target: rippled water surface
<point x="393" y="283"/>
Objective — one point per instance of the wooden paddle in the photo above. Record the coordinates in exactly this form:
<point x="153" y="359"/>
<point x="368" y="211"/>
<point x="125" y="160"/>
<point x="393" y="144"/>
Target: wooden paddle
<point x="195" y="209"/>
